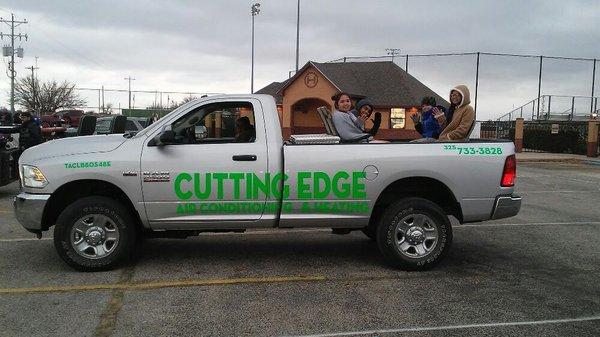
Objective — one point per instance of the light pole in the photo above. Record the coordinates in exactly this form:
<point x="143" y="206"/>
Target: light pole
<point x="255" y="10"/>
<point x="297" y="35"/>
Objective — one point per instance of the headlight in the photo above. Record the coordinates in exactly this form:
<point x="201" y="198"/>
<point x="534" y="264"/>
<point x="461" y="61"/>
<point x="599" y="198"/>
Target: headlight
<point x="31" y="176"/>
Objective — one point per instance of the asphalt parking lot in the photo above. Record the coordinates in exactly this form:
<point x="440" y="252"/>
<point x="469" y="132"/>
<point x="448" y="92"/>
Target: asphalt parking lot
<point x="536" y="274"/>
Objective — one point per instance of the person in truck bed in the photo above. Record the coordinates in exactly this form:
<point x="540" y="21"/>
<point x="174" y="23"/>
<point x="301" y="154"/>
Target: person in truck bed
<point x="348" y="126"/>
<point x="363" y="111"/>
<point x="456" y="123"/>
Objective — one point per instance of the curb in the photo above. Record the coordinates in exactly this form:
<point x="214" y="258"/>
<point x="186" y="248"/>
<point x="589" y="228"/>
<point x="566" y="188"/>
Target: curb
<point x="595" y="162"/>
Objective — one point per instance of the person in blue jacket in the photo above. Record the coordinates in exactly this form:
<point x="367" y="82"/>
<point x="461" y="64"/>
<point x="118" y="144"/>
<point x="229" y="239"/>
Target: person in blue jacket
<point x="425" y="122"/>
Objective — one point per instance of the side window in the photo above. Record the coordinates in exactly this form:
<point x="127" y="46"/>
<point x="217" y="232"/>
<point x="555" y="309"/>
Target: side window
<point x="227" y="122"/>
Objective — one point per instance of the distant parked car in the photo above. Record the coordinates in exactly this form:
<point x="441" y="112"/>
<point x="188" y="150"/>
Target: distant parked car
<point x="103" y="126"/>
<point x="53" y="120"/>
<point x="70" y="117"/>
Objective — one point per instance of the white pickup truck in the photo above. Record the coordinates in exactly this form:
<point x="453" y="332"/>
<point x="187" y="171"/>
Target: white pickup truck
<point x="193" y="171"/>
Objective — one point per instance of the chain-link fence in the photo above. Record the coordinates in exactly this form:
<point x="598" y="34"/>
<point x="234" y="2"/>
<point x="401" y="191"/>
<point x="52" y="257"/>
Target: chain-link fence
<point x="113" y="101"/>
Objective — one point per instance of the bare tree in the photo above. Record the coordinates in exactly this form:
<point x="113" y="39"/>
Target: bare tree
<point x="46" y="97"/>
<point x="108" y="109"/>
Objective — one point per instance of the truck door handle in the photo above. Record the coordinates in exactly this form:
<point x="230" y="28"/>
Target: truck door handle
<point x="244" y="157"/>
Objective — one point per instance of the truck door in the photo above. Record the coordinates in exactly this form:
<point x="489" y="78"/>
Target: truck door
<point x="198" y="178"/>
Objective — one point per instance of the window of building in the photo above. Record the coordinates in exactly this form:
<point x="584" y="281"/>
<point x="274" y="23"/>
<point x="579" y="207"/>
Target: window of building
<point x="397" y="118"/>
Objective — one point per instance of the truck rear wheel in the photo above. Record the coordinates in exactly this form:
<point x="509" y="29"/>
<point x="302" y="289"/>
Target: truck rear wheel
<point x="414" y="234"/>
<point x="95" y="233"/>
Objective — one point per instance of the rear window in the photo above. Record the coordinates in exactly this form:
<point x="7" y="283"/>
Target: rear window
<point x="103" y="125"/>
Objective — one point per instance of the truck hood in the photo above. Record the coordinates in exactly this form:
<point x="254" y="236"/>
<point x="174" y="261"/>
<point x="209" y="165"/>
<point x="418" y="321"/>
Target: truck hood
<point x="72" y="146"/>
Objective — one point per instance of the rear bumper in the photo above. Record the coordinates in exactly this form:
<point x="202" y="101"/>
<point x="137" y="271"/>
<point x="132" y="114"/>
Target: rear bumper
<point x="29" y="209"/>
<point x="506" y="206"/>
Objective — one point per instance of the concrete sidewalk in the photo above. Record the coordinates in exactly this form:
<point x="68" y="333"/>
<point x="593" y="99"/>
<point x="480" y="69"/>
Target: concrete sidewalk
<point x="531" y="157"/>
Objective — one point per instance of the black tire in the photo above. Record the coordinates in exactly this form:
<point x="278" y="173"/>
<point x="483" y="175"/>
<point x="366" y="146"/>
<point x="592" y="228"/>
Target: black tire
<point x="120" y="219"/>
<point x="412" y="259"/>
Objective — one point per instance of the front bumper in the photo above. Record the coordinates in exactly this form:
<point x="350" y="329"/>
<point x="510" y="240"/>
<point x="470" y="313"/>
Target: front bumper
<point x="29" y="209"/>
<point x="506" y="206"/>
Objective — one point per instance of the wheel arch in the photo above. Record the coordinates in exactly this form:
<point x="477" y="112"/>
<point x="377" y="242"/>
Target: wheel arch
<point x="419" y="186"/>
<point x="77" y="189"/>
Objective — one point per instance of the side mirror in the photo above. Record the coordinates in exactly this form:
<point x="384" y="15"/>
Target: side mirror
<point x="167" y="137"/>
<point x="201" y="132"/>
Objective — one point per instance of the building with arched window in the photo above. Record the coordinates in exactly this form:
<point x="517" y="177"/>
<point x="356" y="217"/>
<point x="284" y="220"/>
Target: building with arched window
<point x="393" y="92"/>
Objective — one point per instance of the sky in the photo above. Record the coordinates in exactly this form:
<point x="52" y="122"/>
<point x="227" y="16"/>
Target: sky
<point x="205" y="46"/>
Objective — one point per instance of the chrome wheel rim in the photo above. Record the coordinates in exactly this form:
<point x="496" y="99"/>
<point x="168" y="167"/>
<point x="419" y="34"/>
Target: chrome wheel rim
<point x="416" y="235"/>
<point x="94" y="236"/>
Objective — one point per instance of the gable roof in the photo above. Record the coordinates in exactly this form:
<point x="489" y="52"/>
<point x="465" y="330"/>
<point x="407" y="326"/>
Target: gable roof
<point x="384" y="83"/>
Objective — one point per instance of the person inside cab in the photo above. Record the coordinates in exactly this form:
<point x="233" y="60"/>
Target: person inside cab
<point x="456" y="123"/>
<point x="244" y="130"/>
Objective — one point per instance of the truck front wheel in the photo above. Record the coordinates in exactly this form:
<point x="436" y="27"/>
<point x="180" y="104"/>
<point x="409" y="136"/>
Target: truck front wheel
<point x="94" y="233"/>
<point x="414" y="234"/>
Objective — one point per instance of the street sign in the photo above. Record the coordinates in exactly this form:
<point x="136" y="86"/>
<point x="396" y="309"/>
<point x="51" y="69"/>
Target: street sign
<point x="554" y="129"/>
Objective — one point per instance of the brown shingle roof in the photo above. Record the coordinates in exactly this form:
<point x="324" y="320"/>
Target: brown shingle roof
<point x="384" y="83"/>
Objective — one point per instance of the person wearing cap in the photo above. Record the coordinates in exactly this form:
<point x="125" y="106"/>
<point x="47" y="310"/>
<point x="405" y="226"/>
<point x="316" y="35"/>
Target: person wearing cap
<point x="350" y="128"/>
<point x="363" y="111"/>
<point x="425" y="122"/>
<point x="30" y="134"/>
<point x="457" y="121"/>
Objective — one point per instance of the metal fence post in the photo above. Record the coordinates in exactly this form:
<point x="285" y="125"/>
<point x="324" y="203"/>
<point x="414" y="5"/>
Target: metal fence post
<point x="540" y="86"/>
<point x="477" y="83"/>
<point x="572" y="108"/>
<point x="549" y="102"/>
<point x="593" y="84"/>
<point x="406" y="65"/>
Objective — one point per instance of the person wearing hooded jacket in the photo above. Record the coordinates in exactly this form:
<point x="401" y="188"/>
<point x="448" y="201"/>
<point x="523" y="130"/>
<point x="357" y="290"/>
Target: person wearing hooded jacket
<point x="457" y="121"/>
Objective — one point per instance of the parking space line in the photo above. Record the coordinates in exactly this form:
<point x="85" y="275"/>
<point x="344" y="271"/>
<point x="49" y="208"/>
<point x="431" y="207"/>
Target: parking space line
<point x="162" y="284"/>
<point x="24" y="239"/>
<point x="559" y="191"/>
<point x="456" y="327"/>
<point x="528" y="224"/>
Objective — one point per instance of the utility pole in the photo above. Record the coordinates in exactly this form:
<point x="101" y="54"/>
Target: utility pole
<point x="393" y="52"/>
<point x="10" y="51"/>
<point x="33" y="83"/>
<point x="128" y="78"/>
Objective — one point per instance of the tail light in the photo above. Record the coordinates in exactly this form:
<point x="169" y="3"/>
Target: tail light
<point x="510" y="172"/>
